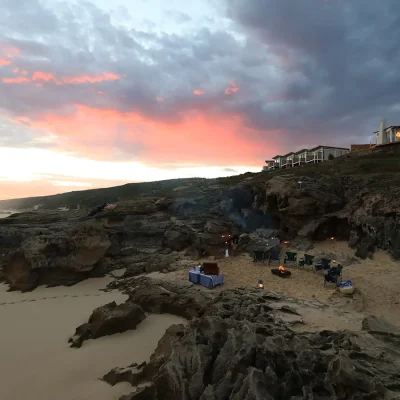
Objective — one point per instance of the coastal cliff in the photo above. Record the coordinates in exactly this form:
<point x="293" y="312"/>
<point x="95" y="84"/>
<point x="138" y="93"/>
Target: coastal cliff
<point x="154" y="224"/>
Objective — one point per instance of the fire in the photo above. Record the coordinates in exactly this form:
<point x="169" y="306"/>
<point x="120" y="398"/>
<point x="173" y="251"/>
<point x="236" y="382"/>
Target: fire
<point x="281" y="268"/>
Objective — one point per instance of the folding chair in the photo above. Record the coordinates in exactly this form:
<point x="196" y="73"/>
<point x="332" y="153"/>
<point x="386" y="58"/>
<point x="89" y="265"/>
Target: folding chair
<point x="306" y="260"/>
<point x="274" y="256"/>
<point x="259" y="256"/>
<point x="332" y="276"/>
<point x="323" y="266"/>
<point x="290" y="257"/>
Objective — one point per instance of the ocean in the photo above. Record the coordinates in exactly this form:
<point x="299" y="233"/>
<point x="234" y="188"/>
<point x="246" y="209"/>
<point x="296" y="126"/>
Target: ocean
<point x="4" y="214"/>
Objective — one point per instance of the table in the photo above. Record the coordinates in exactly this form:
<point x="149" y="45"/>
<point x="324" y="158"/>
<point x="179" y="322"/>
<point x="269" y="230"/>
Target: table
<point x="208" y="281"/>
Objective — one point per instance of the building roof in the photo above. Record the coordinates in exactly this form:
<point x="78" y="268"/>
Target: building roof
<point x="329" y="147"/>
<point x="279" y="156"/>
<point x="388" y="127"/>
<point x="301" y="151"/>
<point x="288" y="154"/>
<point x="268" y="161"/>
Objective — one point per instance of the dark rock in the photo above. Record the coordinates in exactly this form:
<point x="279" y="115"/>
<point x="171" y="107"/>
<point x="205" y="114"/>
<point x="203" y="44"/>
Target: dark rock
<point x="162" y="297"/>
<point x="176" y="240"/>
<point x="62" y="256"/>
<point x="107" y="320"/>
<point x="237" y="349"/>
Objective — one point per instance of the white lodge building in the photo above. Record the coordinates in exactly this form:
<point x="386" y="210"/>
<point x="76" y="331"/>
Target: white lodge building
<point x="305" y="156"/>
<point x="387" y="135"/>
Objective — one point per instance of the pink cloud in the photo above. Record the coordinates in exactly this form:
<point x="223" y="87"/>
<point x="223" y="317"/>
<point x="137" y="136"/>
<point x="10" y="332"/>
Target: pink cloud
<point x="232" y="88"/>
<point x="196" y="139"/>
<point x="50" y="78"/>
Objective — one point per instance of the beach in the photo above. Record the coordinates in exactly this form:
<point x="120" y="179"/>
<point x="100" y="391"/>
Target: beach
<point x="376" y="282"/>
<point x="36" y="325"/>
<point x="36" y="360"/>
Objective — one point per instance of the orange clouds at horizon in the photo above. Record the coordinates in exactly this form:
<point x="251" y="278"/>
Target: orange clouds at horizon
<point x="193" y="139"/>
<point x="198" y="92"/>
<point x="50" y="78"/>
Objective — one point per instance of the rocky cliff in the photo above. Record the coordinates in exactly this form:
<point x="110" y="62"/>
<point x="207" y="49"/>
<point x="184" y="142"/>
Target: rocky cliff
<point x="153" y="225"/>
<point x="243" y="344"/>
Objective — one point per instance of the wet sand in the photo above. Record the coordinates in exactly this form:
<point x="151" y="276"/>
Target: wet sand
<point x="36" y="360"/>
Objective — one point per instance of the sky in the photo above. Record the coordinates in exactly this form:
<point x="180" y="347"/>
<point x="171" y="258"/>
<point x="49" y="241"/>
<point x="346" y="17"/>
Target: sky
<point x="99" y="93"/>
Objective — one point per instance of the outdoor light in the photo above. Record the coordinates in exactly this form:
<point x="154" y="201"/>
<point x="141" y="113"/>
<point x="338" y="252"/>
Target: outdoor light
<point x="332" y="238"/>
<point x="260" y="285"/>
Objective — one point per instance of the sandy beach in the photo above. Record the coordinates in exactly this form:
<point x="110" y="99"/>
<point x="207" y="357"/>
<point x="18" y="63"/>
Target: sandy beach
<point x="36" y="325"/>
<point x="36" y="360"/>
<point x="376" y="283"/>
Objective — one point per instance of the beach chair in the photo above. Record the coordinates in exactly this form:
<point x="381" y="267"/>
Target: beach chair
<point x="259" y="256"/>
<point x="332" y="276"/>
<point x="274" y="256"/>
<point x="290" y="258"/>
<point x="306" y="260"/>
<point x="324" y="265"/>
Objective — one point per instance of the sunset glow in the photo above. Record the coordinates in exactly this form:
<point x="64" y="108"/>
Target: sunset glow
<point x="97" y="94"/>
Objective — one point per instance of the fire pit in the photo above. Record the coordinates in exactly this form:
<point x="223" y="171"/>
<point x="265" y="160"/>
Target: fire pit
<point x="281" y="272"/>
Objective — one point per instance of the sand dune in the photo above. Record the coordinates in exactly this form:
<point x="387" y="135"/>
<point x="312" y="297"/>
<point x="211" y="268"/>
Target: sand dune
<point x="36" y="361"/>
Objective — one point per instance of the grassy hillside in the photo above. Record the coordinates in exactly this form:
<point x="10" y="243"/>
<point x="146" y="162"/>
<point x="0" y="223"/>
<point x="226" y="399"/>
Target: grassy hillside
<point x="93" y="197"/>
<point x="382" y="168"/>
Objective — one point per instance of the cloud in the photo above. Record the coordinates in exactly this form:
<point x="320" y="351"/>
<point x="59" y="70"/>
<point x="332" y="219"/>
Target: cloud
<point x="339" y="60"/>
<point x="264" y="78"/>
<point x="31" y="172"/>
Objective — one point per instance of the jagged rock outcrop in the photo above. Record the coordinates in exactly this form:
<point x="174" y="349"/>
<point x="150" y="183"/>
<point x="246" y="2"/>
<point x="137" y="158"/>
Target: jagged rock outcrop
<point x="345" y="207"/>
<point x="238" y="348"/>
<point x="107" y="320"/>
<point x="63" y="254"/>
<point x="161" y="297"/>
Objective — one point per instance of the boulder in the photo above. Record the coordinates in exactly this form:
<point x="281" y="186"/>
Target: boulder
<point x="107" y="320"/>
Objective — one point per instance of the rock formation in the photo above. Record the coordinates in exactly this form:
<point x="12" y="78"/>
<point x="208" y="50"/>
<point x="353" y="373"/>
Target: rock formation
<point x="107" y="320"/>
<point x="237" y="347"/>
<point x="154" y="224"/>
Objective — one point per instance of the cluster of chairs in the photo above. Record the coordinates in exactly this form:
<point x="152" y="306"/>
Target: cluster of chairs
<point x="332" y="273"/>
